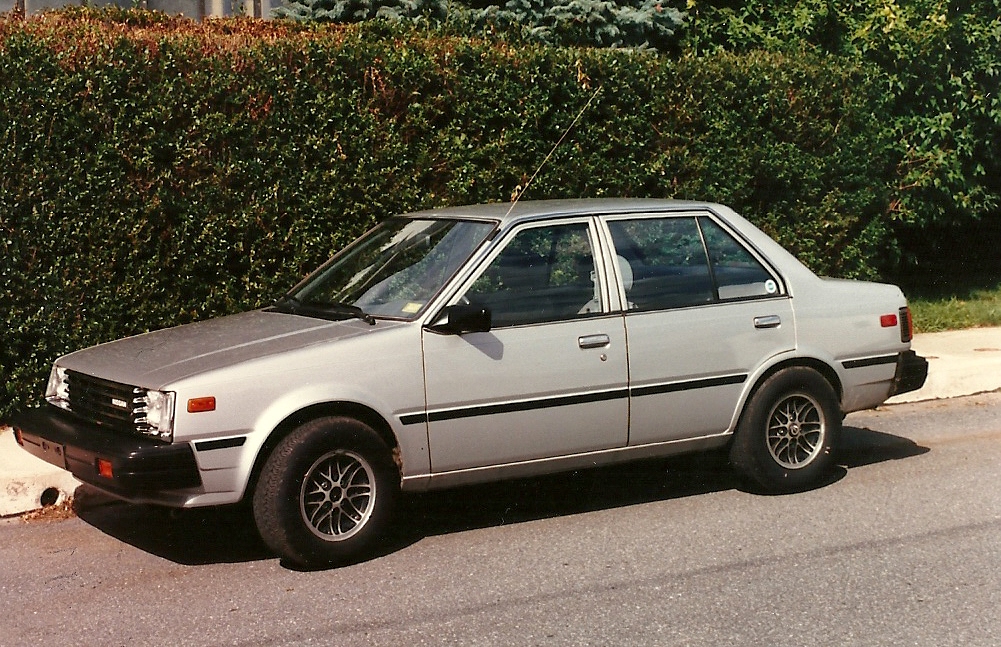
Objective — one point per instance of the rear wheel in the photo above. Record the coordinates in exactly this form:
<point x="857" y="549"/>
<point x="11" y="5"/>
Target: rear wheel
<point x="786" y="437"/>
<point x="326" y="493"/>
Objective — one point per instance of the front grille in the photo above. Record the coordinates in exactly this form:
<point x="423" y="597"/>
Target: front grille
<point x="108" y="403"/>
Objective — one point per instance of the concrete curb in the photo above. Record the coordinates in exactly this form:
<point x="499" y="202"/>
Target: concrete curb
<point x="28" y="483"/>
<point x="961" y="362"/>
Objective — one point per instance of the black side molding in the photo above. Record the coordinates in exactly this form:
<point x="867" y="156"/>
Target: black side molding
<point x="871" y="361"/>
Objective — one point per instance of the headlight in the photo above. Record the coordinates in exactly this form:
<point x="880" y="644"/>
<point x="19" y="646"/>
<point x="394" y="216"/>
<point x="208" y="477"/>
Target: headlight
<point x="156" y="415"/>
<point x="57" y="392"/>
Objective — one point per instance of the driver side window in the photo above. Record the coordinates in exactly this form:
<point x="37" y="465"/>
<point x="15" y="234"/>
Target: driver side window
<point x="543" y="274"/>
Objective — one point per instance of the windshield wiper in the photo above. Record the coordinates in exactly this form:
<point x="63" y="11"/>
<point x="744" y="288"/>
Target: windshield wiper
<point x="347" y="309"/>
<point x="334" y="311"/>
<point x="287" y="304"/>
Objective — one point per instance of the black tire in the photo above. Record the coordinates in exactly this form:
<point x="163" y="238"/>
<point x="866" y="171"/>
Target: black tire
<point x="326" y="494"/>
<point x="787" y="435"/>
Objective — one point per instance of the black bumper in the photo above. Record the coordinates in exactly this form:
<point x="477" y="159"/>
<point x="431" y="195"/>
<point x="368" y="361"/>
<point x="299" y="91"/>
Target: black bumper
<point x="912" y="371"/>
<point x="138" y="464"/>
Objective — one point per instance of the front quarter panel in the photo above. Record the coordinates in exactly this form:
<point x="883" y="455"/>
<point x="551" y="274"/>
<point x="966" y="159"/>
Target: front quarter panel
<point x="381" y="372"/>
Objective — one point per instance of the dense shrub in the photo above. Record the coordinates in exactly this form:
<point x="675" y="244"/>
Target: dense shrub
<point x="159" y="171"/>
<point x="940" y="65"/>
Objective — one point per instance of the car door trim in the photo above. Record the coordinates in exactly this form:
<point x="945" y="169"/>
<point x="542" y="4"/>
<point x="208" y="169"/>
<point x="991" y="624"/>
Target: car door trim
<point x="689" y="385"/>
<point x="512" y="407"/>
<point x="441" y="415"/>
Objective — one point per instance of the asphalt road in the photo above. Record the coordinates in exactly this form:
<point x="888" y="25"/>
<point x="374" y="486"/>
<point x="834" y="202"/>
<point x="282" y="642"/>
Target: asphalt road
<point x="901" y="548"/>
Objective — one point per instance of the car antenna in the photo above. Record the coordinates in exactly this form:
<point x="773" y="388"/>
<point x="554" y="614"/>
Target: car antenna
<point x="521" y="190"/>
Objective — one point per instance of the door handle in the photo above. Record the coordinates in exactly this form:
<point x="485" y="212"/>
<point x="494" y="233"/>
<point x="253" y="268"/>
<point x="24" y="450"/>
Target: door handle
<point x="593" y="341"/>
<point x="770" y="321"/>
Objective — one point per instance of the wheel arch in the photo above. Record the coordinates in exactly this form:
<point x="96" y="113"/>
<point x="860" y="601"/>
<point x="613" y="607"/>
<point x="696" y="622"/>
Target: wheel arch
<point x="823" y="368"/>
<point x="348" y="409"/>
<point x="788" y="430"/>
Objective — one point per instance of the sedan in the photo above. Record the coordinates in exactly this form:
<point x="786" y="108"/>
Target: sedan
<point x="472" y="344"/>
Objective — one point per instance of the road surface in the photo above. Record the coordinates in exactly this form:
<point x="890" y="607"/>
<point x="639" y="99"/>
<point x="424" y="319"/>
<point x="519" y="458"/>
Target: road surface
<point x="900" y="548"/>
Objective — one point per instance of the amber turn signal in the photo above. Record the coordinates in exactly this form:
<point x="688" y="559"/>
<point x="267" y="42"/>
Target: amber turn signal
<point x="104" y="468"/>
<point x="198" y="405"/>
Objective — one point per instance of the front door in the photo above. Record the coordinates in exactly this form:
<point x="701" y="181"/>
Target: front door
<point x="550" y="378"/>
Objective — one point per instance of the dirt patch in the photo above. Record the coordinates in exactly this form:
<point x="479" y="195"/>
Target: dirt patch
<point x="57" y="512"/>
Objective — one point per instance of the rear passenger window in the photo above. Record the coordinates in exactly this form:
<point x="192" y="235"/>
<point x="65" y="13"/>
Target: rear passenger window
<point x="685" y="261"/>
<point x="738" y="274"/>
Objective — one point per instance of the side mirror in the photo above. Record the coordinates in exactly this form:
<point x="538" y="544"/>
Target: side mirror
<point x="462" y="318"/>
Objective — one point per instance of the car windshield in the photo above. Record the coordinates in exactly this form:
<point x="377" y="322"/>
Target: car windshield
<point x="392" y="271"/>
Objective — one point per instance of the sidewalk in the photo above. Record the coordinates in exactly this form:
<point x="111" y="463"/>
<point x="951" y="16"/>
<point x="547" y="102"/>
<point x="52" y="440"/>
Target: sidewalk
<point x="961" y="362"/>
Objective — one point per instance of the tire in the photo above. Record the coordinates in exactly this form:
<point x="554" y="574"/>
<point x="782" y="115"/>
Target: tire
<point x="787" y="435"/>
<point x="326" y="494"/>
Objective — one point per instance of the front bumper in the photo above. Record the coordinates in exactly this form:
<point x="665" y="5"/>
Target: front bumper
<point x="138" y="465"/>
<point x="912" y="371"/>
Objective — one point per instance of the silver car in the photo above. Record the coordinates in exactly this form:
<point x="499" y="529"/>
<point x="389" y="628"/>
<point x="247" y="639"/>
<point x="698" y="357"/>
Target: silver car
<point x="473" y="344"/>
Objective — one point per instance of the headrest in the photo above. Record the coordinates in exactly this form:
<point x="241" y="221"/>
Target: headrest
<point x="626" y="272"/>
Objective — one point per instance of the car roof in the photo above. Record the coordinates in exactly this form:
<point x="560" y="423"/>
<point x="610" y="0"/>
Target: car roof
<point x="507" y="214"/>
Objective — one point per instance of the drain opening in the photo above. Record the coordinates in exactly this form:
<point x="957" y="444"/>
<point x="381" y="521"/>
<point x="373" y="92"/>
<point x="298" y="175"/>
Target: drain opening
<point x="50" y="496"/>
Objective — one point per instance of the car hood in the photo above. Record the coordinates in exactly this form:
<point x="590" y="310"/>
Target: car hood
<point x="156" y="359"/>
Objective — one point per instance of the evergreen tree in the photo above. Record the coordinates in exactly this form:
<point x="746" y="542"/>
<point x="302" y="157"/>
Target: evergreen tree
<point x="643" y="24"/>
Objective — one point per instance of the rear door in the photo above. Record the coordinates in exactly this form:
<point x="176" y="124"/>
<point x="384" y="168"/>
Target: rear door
<point x="703" y="311"/>
<point x="550" y="378"/>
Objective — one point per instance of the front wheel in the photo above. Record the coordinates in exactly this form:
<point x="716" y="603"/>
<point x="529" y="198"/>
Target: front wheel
<point x="326" y="493"/>
<point x="786" y="437"/>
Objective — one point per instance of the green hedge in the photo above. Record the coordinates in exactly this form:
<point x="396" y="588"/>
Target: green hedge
<point x="159" y="171"/>
<point x="939" y="65"/>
